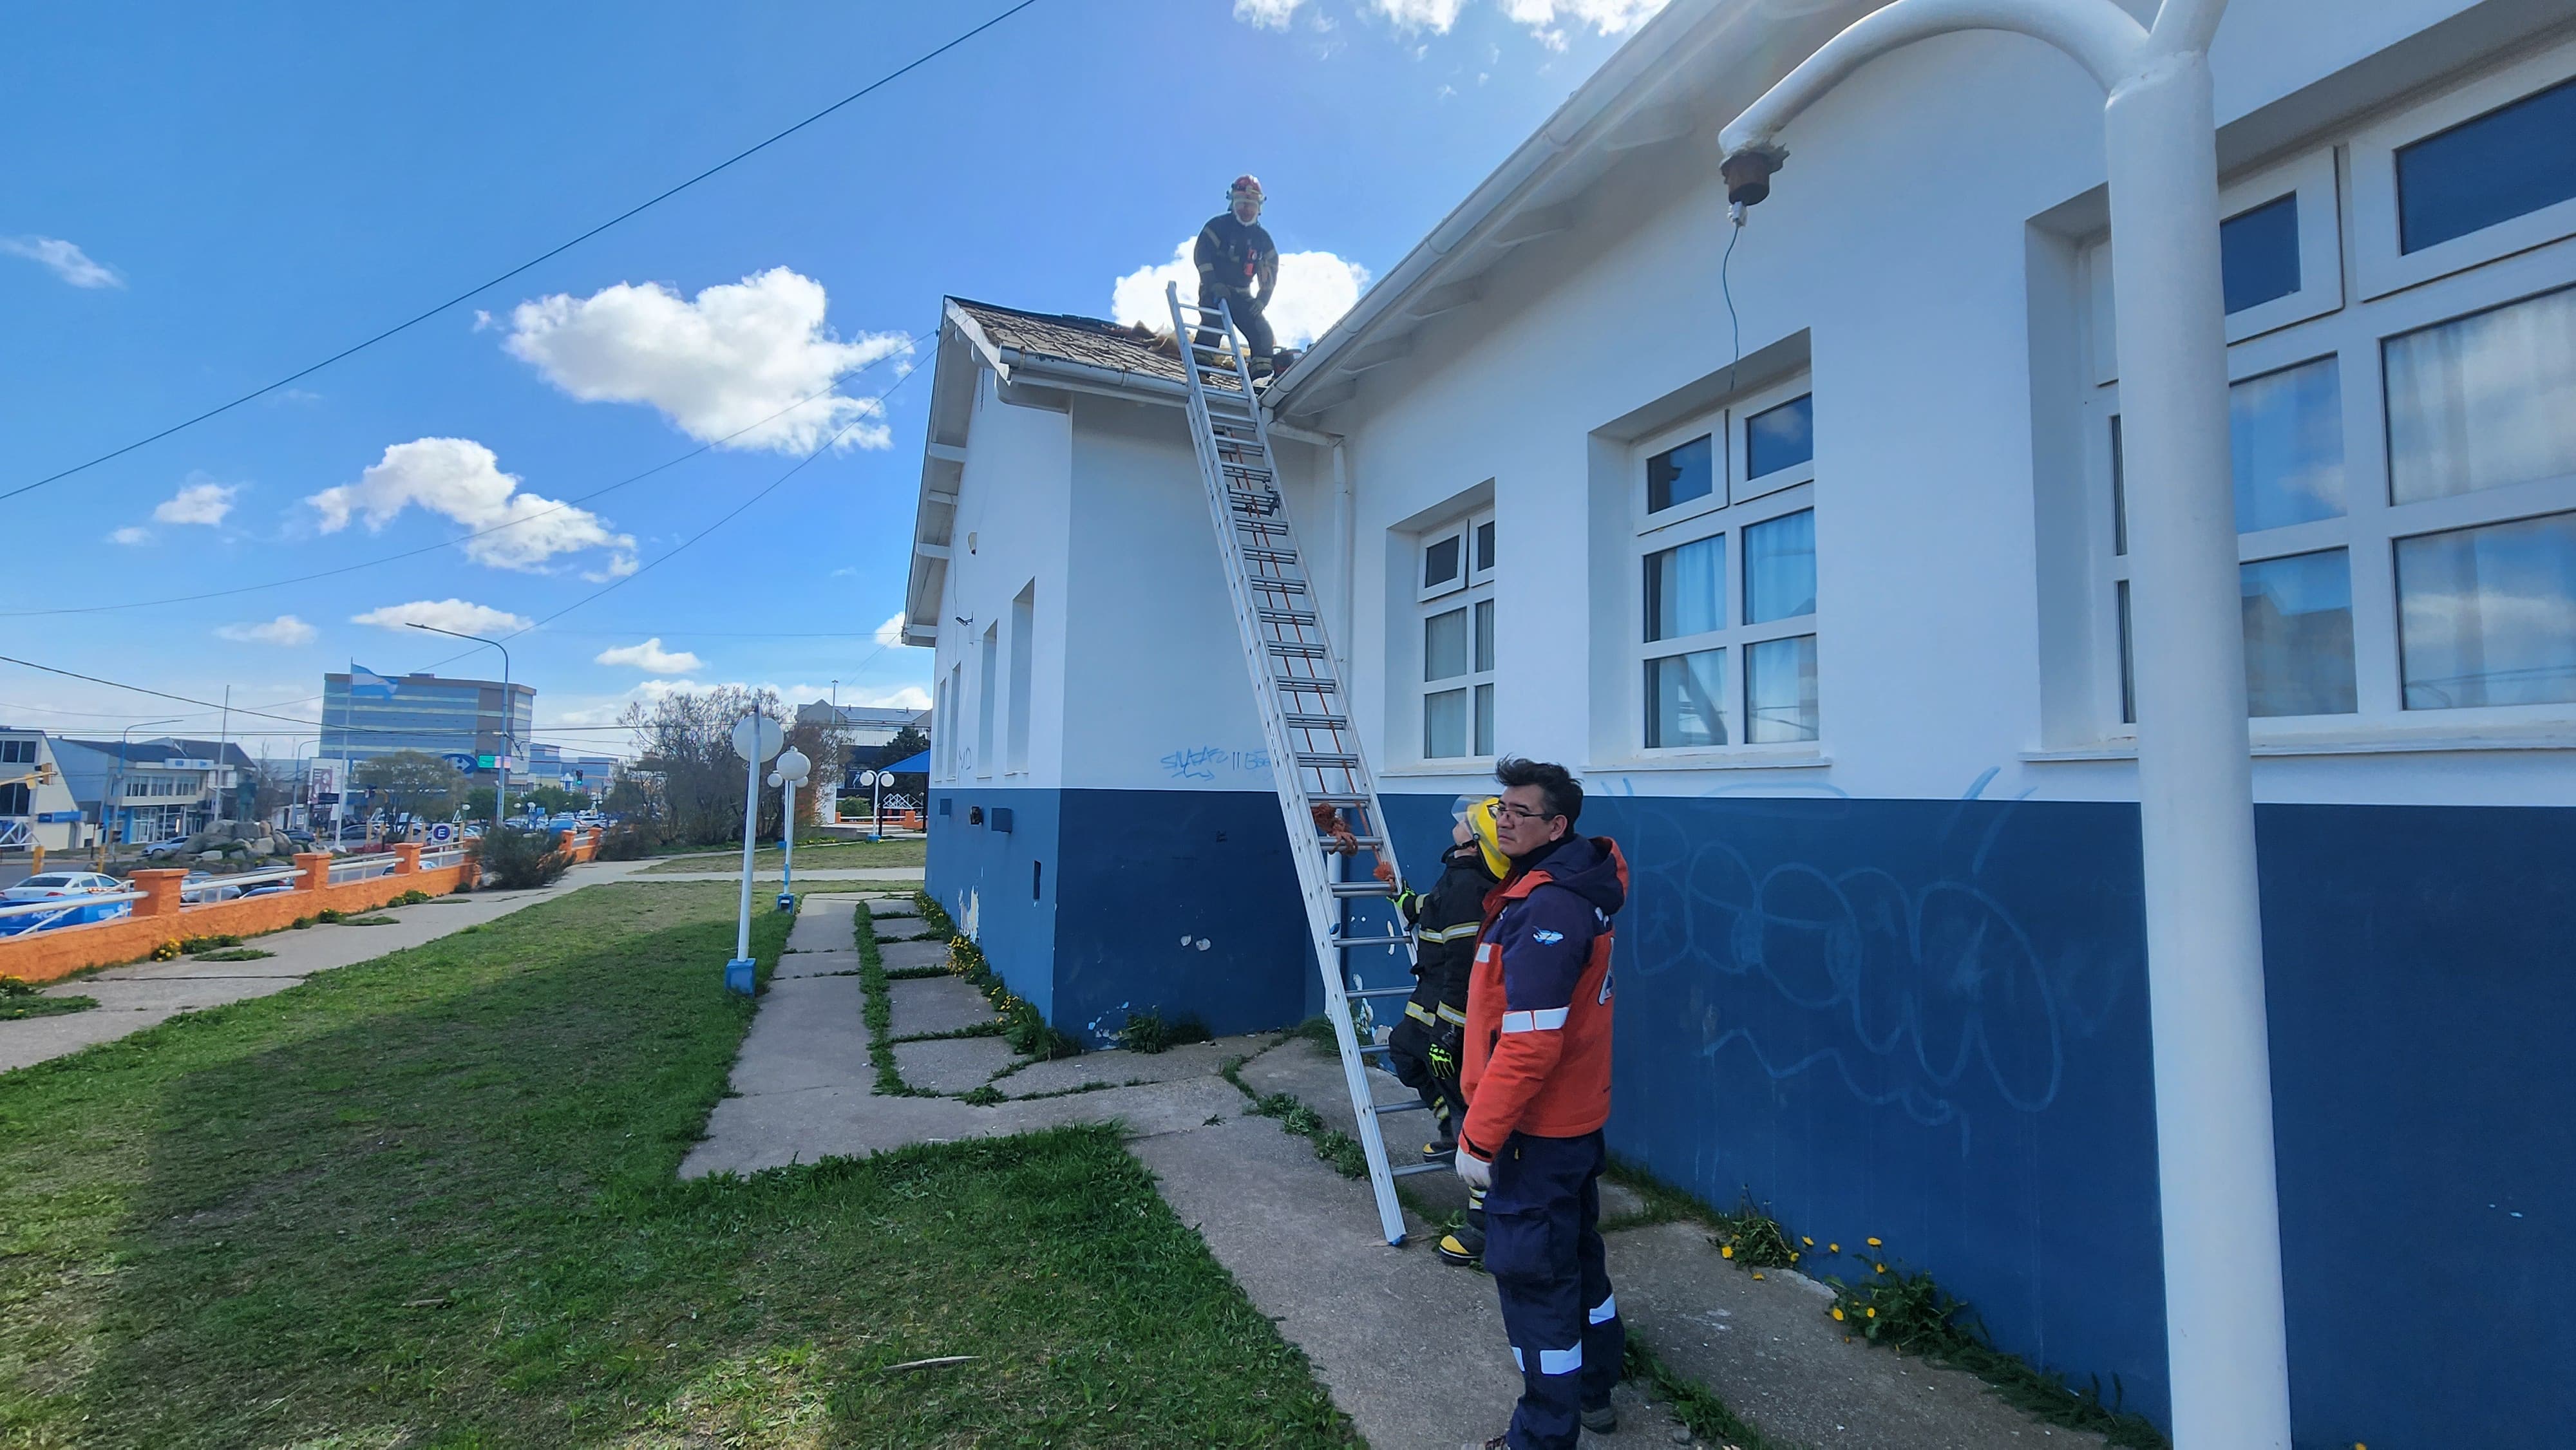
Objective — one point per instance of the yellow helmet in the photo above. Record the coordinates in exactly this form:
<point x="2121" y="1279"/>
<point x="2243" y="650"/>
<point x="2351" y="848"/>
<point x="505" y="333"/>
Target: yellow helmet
<point x="1478" y="813"/>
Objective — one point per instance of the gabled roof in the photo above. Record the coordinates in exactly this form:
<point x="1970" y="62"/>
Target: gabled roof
<point x="1090" y="341"/>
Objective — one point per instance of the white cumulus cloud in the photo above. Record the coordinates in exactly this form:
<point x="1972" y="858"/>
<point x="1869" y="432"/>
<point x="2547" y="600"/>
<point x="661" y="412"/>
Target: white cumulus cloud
<point x="718" y="365"/>
<point x="130" y="535"/>
<point x="1545" y="18"/>
<point x="1315" y="289"/>
<point x="1267" y="14"/>
<point x="65" y="260"/>
<point x="651" y="658"/>
<point x="284" y="629"/>
<point x="462" y="480"/>
<point x="890" y="633"/>
<point x="454" y="614"/>
<point x="198" y="503"/>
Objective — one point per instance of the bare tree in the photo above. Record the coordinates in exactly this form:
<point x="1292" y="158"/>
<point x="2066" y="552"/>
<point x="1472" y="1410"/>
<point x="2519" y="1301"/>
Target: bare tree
<point x="686" y="783"/>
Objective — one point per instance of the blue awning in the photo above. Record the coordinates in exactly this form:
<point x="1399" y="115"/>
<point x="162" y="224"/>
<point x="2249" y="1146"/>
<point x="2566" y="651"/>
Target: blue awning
<point x="911" y="765"/>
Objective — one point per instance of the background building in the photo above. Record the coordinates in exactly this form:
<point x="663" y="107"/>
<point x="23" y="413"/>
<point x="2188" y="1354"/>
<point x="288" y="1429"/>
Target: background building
<point x="143" y="791"/>
<point x="461" y="719"/>
<point x="37" y="812"/>
<point x="1816" y="569"/>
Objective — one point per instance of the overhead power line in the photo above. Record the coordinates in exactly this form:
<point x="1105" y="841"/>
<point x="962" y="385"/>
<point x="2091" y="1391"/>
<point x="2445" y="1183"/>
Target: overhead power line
<point x="462" y="539"/>
<point x="192" y="700"/>
<point x="545" y="256"/>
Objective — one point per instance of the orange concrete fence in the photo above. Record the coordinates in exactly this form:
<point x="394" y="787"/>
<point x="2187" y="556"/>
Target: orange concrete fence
<point x="43" y="956"/>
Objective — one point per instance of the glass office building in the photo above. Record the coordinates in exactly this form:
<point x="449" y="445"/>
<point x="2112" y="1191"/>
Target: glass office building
<point x="424" y="713"/>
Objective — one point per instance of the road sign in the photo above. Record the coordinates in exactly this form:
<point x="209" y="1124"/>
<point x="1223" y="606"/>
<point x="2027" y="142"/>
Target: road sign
<point x="326" y="798"/>
<point x="442" y="832"/>
<point x="757" y="737"/>
<point x="483" y="762"/>
<point x="466" y="760"/>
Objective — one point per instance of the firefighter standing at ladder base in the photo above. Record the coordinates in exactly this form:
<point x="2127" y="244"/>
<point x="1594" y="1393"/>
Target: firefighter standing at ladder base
<point x="1235" y="255"/>
<point x="1537" y="1079"/>
<point x="1427" y="1046"/>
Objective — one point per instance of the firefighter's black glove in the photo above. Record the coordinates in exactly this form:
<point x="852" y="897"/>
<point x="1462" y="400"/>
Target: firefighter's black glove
<point x="1444" y="1052"/>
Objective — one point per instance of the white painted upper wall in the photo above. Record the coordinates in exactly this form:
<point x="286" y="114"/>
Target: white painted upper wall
<point x="1896" y="244"/>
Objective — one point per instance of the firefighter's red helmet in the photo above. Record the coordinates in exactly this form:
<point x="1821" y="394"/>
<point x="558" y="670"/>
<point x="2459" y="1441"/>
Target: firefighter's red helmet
<point x="1245" y="185"/>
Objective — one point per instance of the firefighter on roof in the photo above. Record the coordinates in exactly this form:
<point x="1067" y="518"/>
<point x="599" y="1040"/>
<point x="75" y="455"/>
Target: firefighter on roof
<point x="1239" y="267"/>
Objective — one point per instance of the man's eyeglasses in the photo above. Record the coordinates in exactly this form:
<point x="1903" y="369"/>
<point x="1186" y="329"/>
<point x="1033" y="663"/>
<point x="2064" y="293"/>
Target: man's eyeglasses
<point x="1519" y="812"/>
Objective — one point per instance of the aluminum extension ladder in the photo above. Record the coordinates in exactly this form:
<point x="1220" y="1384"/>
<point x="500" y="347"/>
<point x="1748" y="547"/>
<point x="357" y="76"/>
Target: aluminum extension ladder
<point x="1327" y="796"/>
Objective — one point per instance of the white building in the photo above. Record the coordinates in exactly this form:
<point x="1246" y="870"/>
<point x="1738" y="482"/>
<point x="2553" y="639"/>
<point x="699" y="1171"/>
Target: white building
<point x="37" y="806"/>
<point x="1810" y="561"/>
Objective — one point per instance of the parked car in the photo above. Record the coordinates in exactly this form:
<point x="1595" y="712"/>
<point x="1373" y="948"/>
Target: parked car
<point x="303" y="839"/>
<point x="74" y="890"/>
<point x="204" y="886"/>
<point x="164" y="850"/>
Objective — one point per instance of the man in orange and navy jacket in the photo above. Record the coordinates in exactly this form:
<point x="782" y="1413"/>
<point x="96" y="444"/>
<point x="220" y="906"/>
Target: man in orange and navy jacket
<point x="1537" y="1080"/>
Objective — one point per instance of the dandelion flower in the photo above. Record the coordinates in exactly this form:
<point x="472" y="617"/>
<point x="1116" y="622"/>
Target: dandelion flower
<point x="1726" y="1251"/>
<point x="1833" y="1248"/>
<point x="1873" y="1313"/>
<point x="1873" y="1243"/>
<point x="1802" y="1238"/>
<point x="1838" y="1311"/>
<point x="1757" y="1273"/>
<point x="1882" y="1268"/>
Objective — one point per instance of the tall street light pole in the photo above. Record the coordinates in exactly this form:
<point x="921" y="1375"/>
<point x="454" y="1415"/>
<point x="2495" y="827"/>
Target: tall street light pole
<point x="2213" y="1078"/>
<point x="509" y="717"/>
<point x="114" y="798"/>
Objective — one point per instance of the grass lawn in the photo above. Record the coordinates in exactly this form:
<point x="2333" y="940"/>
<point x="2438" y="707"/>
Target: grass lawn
<point x="430" y="1201"/>
<point x="818" y="855"/>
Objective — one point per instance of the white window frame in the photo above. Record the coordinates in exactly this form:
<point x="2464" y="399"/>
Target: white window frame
<point x="2321" y="285"/>
<point x="2355" y="334"/>
<point x="1474" y="587"/>
<point x="988" y="668"/>
<point x="1734" y="505"/>
<point x="2379" y="267"/>
<point x="1461" y="532"/>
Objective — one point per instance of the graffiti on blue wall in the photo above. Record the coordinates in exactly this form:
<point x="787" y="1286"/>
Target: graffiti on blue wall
<point x="1207" y="762"/>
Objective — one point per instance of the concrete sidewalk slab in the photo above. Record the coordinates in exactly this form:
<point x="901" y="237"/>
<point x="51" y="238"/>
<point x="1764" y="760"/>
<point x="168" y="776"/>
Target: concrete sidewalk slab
<point x="935" y="1004"/>
<point x="909" y="954"/>
<point x="816" y="964"/>
<point x="1768" y="1348"/>
<point x="953" y="1064"/>
<point x="1197" y="1059"/>
<point x="807" y="1034"/>
<point x="882" y="907"/>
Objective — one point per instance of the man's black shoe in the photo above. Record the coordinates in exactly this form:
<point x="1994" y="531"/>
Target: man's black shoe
<point x="1601" y="1421"/>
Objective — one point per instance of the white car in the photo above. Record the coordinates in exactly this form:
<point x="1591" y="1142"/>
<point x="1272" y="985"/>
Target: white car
<point x="51" y="884"/>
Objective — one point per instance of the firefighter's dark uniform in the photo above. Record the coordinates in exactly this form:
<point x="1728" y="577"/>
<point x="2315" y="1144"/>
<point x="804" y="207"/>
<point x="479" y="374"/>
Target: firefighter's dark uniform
<point x="1233" y="259"/>
<point x="1425" y="1048"/>
<point x="1537" y="1079"/>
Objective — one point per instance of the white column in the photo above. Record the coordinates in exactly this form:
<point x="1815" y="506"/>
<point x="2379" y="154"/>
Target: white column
<point x="2213" y="1076"/>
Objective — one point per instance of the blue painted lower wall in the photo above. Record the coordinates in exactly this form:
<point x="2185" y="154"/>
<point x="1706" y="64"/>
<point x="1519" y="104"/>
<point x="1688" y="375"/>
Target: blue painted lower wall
<point x="1927" y="1021"/>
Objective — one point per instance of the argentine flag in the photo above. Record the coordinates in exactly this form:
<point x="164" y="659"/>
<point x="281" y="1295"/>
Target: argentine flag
<point x="366" y="684"/>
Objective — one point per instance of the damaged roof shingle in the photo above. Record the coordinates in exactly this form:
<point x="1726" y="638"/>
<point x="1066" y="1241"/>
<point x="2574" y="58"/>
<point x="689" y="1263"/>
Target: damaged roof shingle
<point x="1087" y="340"/>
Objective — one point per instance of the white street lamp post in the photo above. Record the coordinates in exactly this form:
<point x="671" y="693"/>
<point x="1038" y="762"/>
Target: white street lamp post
<point x="2213" y="1080"/>
<point x="756" y="737"/>
<point x="793" y="768"/>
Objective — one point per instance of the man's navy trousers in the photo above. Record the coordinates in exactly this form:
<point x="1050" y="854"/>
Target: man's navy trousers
<point x="1543" y="1247"/>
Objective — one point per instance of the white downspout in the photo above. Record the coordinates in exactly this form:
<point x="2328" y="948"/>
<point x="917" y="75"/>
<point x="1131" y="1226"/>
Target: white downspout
<point x="1346" y="529"/>
<point x="2213" y="1078"/>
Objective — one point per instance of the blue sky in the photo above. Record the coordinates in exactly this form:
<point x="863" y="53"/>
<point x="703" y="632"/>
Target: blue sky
<point x="203" y="199"/>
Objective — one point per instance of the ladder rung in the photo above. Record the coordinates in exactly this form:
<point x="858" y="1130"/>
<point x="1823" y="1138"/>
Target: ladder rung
<point x="1361" y="888"/>
<point x="1275" y="585"/>
<point x="1271" y="556"/>
<point x="1330" y="760"/>
<point x="1318" y="722"/>
<point x="1407" y="1170"/>
<point x="1417" y="1105"/>
<point x="1378" y="992"/>
<point x="1268" y="615"/>
<point x="1291" y="650"/>
<point x="1368" y="1047"/>
<point x="1346" y="943"/>
<point x="1310" y="684"/>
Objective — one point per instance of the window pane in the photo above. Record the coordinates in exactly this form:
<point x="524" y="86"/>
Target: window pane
<point x="1685" y="700"/>
<point x="1484" y="719"/>
<point x="2514" y="159"/>
<point x="1484" y="635"/>
<point x="2298" y="634"/>
<point x="1444" y="645"/>
<point x="1686" y="589"/>
<point x="2258" y="253"/>
<point x="1440" y="562"/>
<point x="1444" y="724"/>
<point x="2119" y="491"/>
<point x="2483" y="401"/>
<point x="1781" y="437"/>
<point x="2285" y="431"/>
<point x="1680" y="475"/>
<point x="1484" y="546"/>
<point x="2128" y="670"/>
<point x="1780" y="690"/>
<point x="1780" y="567"/>
<point x="2487" y="616"/>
